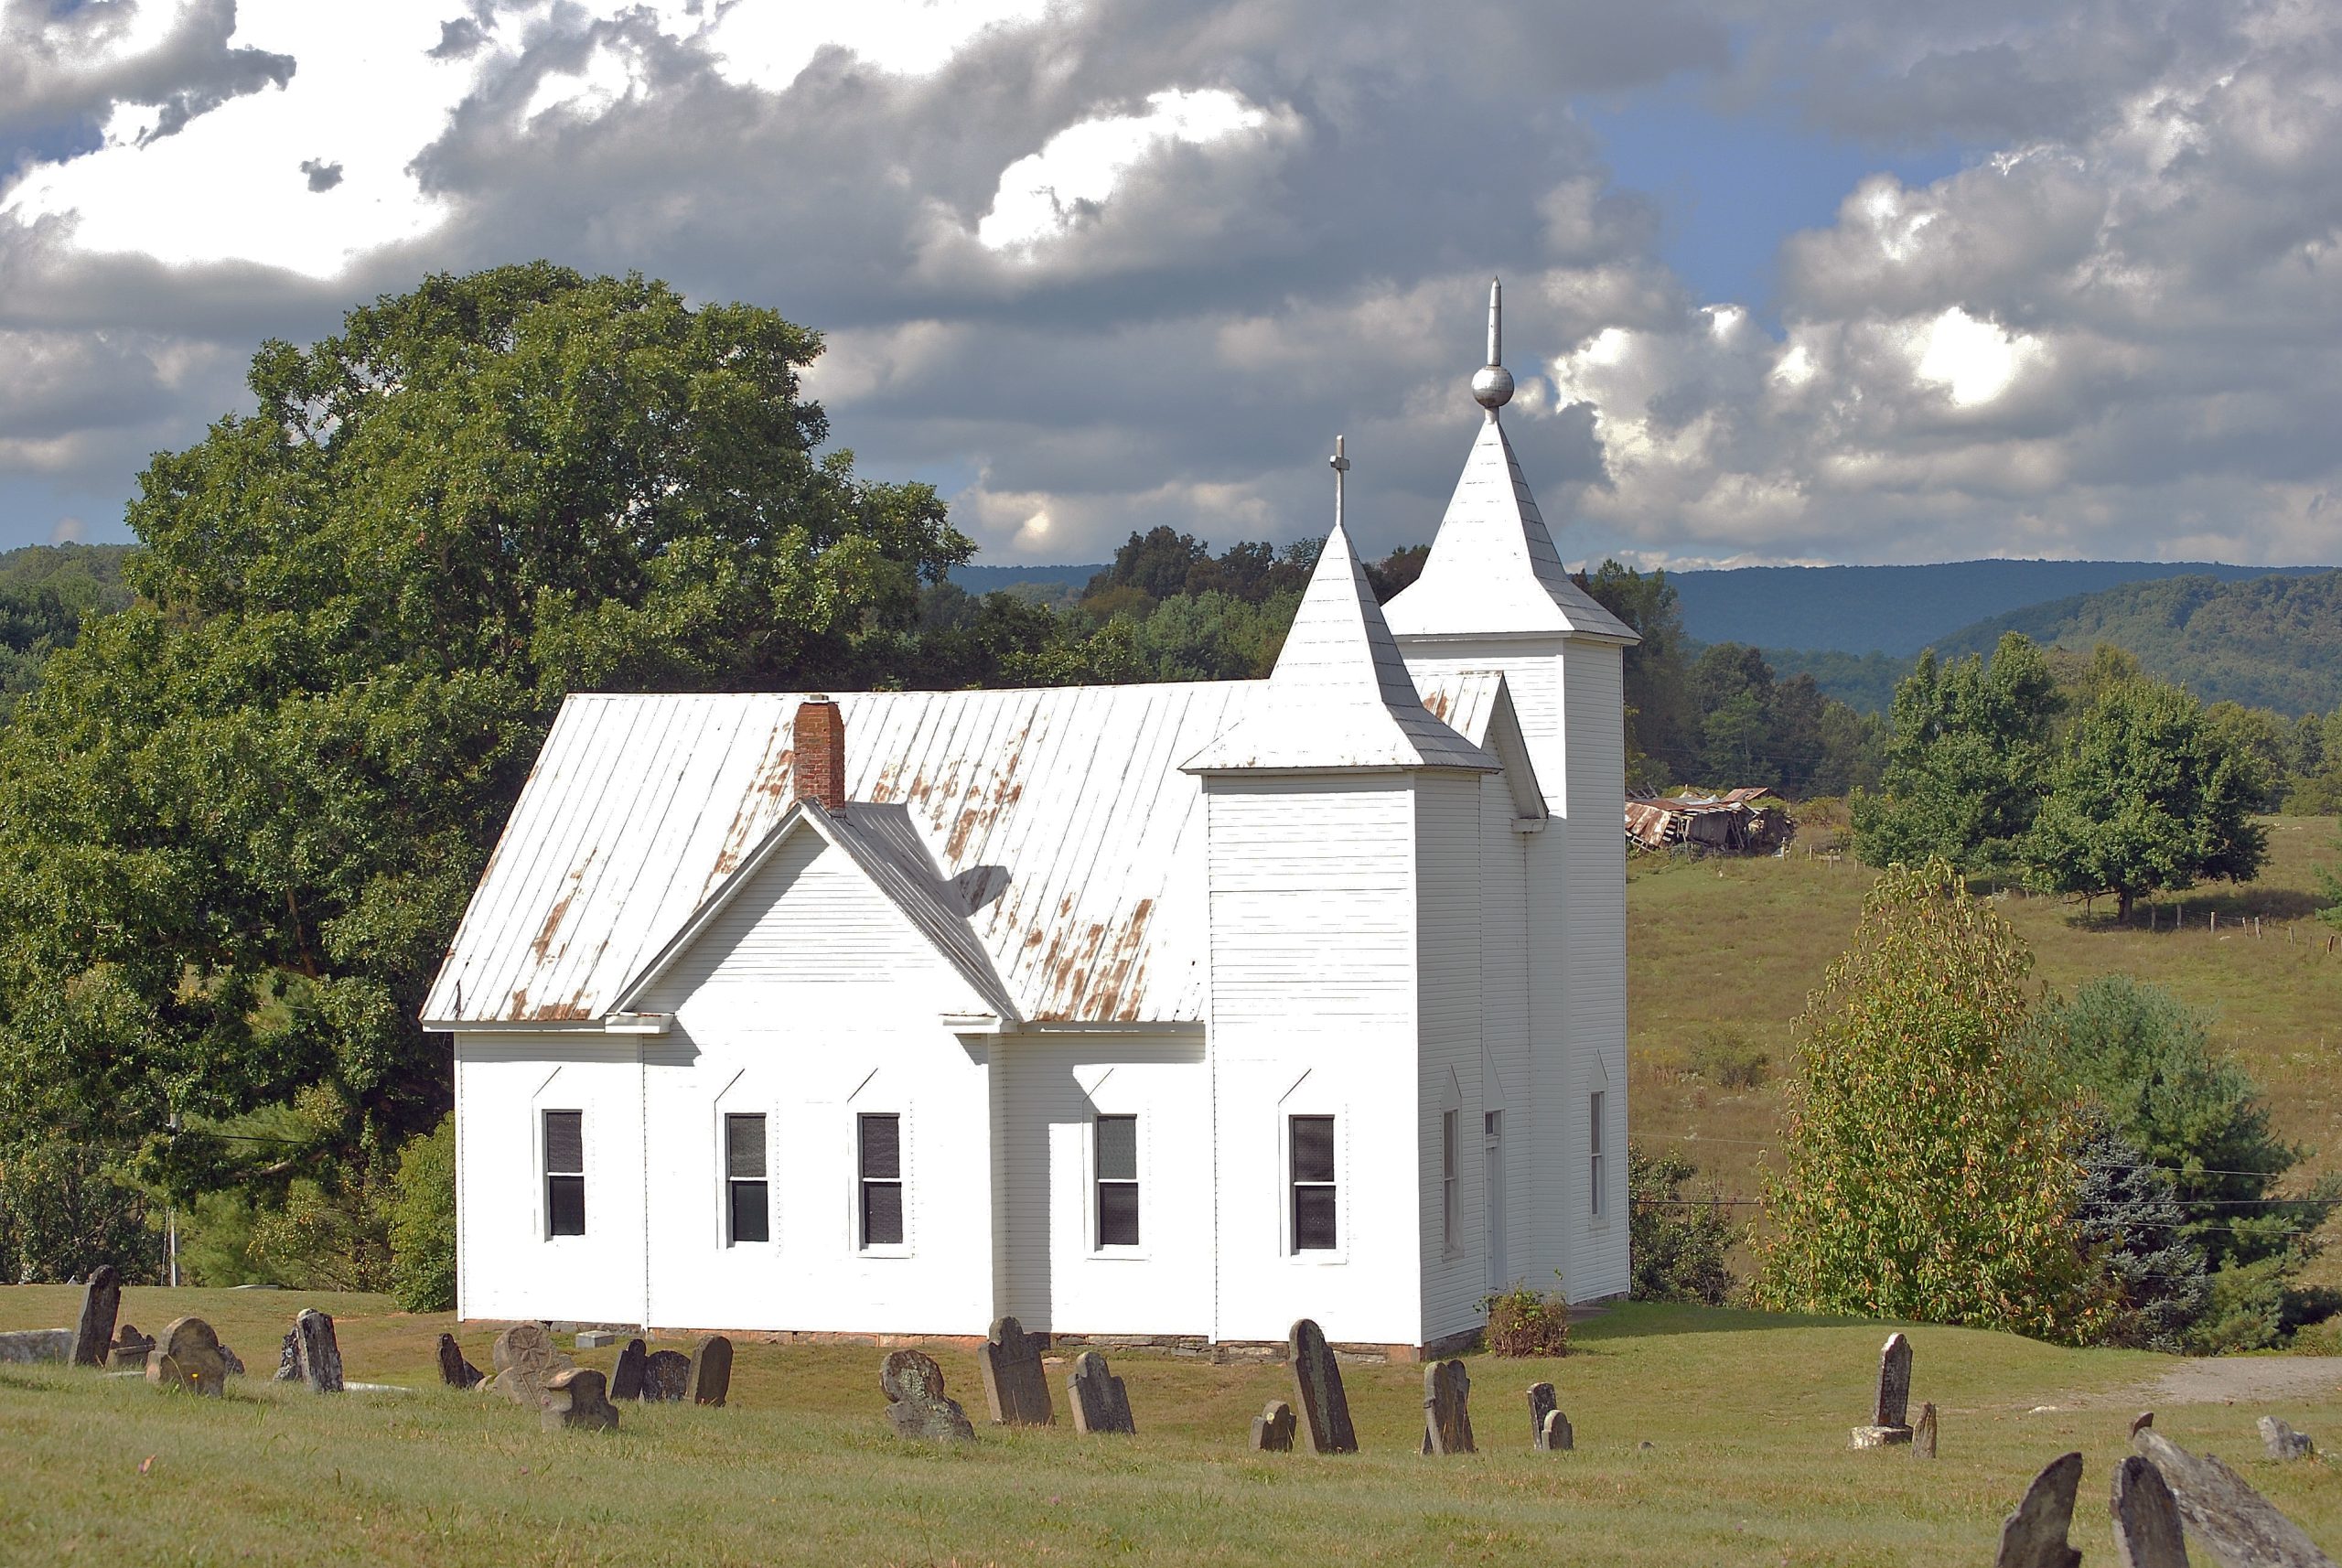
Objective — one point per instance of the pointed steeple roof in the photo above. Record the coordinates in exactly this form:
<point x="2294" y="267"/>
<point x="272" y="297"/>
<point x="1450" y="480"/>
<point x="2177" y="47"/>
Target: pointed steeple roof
<point x="1493" y="567"/>
<point x="1340" y="695"/>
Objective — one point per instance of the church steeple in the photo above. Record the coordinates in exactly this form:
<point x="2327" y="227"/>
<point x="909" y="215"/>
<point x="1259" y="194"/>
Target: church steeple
<point x="1493" y="568"/>
<point x="1340" y="695"/>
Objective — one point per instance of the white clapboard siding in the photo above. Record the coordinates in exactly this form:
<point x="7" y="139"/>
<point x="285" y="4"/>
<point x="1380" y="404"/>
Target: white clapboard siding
<point x="1504" y="937"/>
<point x="1597" y="952"/>
<point x="1448" y="944"/>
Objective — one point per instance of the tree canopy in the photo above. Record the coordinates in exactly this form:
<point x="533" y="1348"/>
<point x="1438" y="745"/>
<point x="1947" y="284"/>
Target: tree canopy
<point x="1965" y="762"/>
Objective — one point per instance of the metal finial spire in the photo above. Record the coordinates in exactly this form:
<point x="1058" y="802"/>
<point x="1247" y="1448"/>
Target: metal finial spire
<point x="1492" y="383"/>
<point x="1341" y="465"/>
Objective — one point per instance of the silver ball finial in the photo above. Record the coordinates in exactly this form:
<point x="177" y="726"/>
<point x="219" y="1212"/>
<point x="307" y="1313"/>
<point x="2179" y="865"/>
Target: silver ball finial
<point x="1492" y="383"/>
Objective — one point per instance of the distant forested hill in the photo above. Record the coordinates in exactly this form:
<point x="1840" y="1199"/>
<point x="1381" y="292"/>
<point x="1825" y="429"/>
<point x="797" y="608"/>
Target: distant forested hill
<point x="44" y="589"/>
<point x="2269" y="642"/>
<point x="1900" y="609"/>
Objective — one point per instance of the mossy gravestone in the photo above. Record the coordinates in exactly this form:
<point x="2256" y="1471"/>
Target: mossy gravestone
<point x="916" y="1407"/>
<point x="1891" y="1406"/>
<point x="1017" y="1394"/>
<point x="666" y="1376"/>
<point x="2147" y="1529"/>
<point x="576" y="1397"/>
<point x="525" y="1361"/>
<point x="1317" y="1395"/>
<point x="708" y="1378"/>
<point x="1543" y="1402"/>
<point x="2235" y="1523"/>
<point x="186" y="1358"/>
<point x="1101" y="1402"/>
<point x="454" y="1370"/>
<point x="1447" y="1410"/>
<point x="2035" y="1536"/>
<point x="625" y="1381"/>
<point x="319" y="1353"/>
<point x="101" y="1304"/>
<point x="1273" y="1429"/>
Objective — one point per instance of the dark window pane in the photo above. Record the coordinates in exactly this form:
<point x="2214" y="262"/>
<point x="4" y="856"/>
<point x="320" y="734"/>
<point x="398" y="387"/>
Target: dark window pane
<point x="565" y="1203"/>
<point x="1313" y="1218"/>
<point x="565" y="1142"/>
<point x="743" y="1145"/>
<point x="882" y="1213"/>
<point x="1118" y="1214"/>
<point x="882" y="1148"/>
<point x="1313" y="1148"/>
<point x="1118" y="1148"/>
<point x="751" y="1211"/>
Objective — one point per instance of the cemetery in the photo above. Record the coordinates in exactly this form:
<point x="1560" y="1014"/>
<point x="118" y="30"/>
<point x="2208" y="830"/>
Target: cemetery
<point x="1668" y="1433"/>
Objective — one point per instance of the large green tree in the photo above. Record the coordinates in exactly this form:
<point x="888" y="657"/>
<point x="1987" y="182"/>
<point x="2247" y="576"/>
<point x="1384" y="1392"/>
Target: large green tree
<point x="1966" y="763"/>
<point x="238" y="818"/>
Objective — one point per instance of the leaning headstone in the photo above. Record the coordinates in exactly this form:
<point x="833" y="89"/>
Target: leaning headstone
<point x="1317" y="1391"/>
<point x="187" y="1356"/>
<point x="1273" y="1429"/>
<point x="1891" y="1407"/>
<point x="2282" y="1442"/>
<point x="575" y="1397"/>
<point x="2146" y="1518"/>
<point x="24" y="1346"/>
<point x="1017" y="1394"/>
<point x="1923" y="1435"/>
<point x="1101" y="1402"/>
<point x="707" y="1378"/>
<point x="2035" y="1536"/>
<point x="101" y="1304"/>
<point x="319" y="1353"/>
<point x="525" y="1361"/>
<point x="454" y="1370"/>
<point x="1556" y="1437"/>
<point x="625" y="1381"/>
<point x="129" y="1347"/>
<point x="234" y="1363"/>
<point x="1543" y="1402"/>
<point x="666" y="1375"/>
<point x="1447" y="1410"/>
<point x="916" y="1407"/>
<point x="2140" y="1422"/>
<point x="288" y="1360"/>
<point x="2236" y="1525"/>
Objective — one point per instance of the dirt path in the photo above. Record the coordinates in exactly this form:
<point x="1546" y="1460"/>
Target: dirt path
<point x="2224" y="1380"/>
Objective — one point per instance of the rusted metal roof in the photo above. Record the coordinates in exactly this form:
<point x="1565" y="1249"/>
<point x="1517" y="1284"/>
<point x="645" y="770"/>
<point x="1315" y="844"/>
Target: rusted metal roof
<point x="1053" y="825"/>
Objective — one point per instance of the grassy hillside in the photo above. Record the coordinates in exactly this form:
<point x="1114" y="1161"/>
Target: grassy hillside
<point x="2273" y="642"/>
<point x="1703" y="1437"/>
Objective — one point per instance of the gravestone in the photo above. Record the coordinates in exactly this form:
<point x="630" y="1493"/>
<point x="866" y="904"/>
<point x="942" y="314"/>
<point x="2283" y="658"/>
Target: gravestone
<point x="2236" y="1524"/>
<point x="2035" y="1536"/>
<point x="2140" y="1422"/>
<point x="23" y="1346"/>
<point x="1923" y="1435"/>
<point x="525" y="1361"/>
<point x="1890" y="1409"/>
<point x="129" y="1347"/>
<point x="575" y="1397"/>
<point x="1556" y="1436"/>
<point x="101" y="1304"/>
<point x="916" y="1407"/>
<point x="288" y="1360"/>
<point x="454" y="1370"/>
<point x="1101" y="1402"/>
<point x="626" y="1383"/>
<point x="1273" y="1429"/>
<point x="2147" y="1532"/>
<point x="234" y="1363"/>
<point x="595" y="1338"/>
<point x="1447" y="1410"/>
<point x="2282" y="1442"/>
<point x="1543" y="1402"/>
<point x="1317" y="1393"/>
<point x="319" y="1353"/>
<point x="187" y="1356"/>
<point x="708" y="1378"/>
<point x="1016" y="1392"/>
<point x="666" y="1377"/>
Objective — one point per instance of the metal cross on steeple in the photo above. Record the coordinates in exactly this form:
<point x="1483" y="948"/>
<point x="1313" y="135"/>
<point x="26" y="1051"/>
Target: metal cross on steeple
<point x="1341" y="465"/>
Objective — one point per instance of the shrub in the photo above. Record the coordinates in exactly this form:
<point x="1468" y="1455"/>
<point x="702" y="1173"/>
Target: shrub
<point x="64" y="1210"/>
<point x="1526" y="1322"/>
<point x="327" y="1235"/>
<point x="1726" y="1057"/>
<point x="423" y="1222"/>
<point x="1678" y="1243"/>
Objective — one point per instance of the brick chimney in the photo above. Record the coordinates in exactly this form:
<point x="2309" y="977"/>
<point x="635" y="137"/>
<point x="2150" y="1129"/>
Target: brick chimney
<point x="819" y="766"/>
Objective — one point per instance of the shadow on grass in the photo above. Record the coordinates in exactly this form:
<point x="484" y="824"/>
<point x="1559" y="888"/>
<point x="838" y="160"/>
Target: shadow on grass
<point x="1653" y="1319"/>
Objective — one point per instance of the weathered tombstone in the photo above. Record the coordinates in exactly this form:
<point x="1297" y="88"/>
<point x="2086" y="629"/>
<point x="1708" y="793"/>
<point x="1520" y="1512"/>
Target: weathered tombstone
<point x="1101" y="1402"/>
<point x="1556" y="1436"/>
<point x="2146" y="1518"/>
<point x="575" y="1397"/>
<point x="595" y="1338"/>
<point x="2140" y="1422"/>
<point x="187" y="1356"/>
<point x="129" y="1348"/>
<point x="708" y="1378"/>
<point x="1273" y="1429"/>
<point x="319" y="1353"/>
<point x="288" y="1360"/>
<point x="1890" y="1409"/>
<point x="1317" y="1391"/>
<point x="2282" y="1442"/>
<point x="1447" y="1410"/>
<point x="101" y="1304"/>
<point x="525" y="1361"/>
<point x="1543" y="1402"/>
<point x="23" y="1346"/>
<point x="916" y="1407"/>
<point x="666" y="1376"/>
<point x="234" y="1363"/>
<point x="2035" y="1536"/>
<point x="1923" y="1435"/>
<point x="2236" y="1524"/>
<point x="626" y="1383"/>
<point x="1016" y="1392"/>
<point x="454" y="1370"/>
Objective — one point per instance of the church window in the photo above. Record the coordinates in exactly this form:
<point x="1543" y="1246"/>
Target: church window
<point x="1312" y="1184"/>
<point x="1593" y="1143"/>
<point x="564" y="1173"/>
<point x="882" y="1180"/>
<point x="1117" y="1156"/>
<point x="747" y="1197"/>
<point x="1449" y="1196"/>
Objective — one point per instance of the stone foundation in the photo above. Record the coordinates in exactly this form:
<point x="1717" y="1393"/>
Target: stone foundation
<point x="1181" y="1347"/>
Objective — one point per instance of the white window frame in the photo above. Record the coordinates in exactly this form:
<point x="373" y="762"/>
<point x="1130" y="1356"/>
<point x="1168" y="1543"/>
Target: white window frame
<point x="1598" y="1110"/>
<point x="1451" y="1182"/>
<point x="1313" y="1257"/>
<point x="727" y="1181"/>
<point x="546" y="1174"/>
<point x="1090" y="1180"/>
<point x="861" y="1246"/>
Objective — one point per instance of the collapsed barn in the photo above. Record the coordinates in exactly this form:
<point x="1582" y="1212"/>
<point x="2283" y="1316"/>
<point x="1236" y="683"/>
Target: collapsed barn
<point x="1738" y="821"/>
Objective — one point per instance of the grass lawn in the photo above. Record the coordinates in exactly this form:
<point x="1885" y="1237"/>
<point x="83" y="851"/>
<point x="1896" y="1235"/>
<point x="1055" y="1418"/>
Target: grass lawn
<point x="1735" y="945"/>
<point x="1746" y="1416"/>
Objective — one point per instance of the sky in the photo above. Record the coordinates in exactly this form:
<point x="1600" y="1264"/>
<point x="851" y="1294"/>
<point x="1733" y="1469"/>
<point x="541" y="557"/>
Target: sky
<point x="1786" y="280"/>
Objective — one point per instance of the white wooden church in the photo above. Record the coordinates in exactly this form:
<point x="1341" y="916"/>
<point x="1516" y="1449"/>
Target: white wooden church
<point x="1165" y="1011"/>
